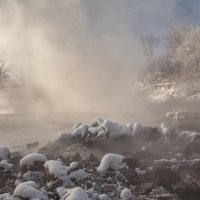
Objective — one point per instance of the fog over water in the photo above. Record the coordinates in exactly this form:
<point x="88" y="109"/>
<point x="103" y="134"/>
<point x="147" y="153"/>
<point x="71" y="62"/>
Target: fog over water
<point x="81" y="58"/>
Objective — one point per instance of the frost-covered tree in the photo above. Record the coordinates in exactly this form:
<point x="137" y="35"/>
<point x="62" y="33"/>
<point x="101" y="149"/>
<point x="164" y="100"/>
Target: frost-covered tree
<point x="188" y="54"/>
<point x="148" y="43"/>
<point x="4" y="76"/>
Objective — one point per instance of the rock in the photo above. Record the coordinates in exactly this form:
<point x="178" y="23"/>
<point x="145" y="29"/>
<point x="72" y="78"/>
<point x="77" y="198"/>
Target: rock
<point x="148" y="134"/>
<point x="32" y="162"/>
<point x="146" y="153"/>
<point x="132" y="163"/>
<point x="3" y="180"/>
<point x="130" y="175"/>
<point x="4" y="153"/>
<point x="55" y="184"/>
<point x="32" y="145"/>
<point x="76" y="158"/>
<point x="145" y="188"/>
<point x="191" y="148"/>
<point x="166" y="176"/>
<point x="186" y="191"/>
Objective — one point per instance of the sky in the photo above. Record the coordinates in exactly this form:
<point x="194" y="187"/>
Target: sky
<point x="82" y="53"/>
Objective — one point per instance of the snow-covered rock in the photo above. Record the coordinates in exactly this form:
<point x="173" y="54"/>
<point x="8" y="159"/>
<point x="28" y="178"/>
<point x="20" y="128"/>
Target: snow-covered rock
<point x="5" y="166"/>
<point x="55" y="168"/>
<point x="137" y="128"/>
<point x="81" y="130"/>
<point x="28" y="190"/>
<point x="115" y="130"/>
<point x="113" y="161"/>
<point x="29" y="159"/>
<point x="65" y="136"/>
<point x="126" y="194"/>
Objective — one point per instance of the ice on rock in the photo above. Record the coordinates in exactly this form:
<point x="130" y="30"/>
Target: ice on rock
<point x="31" y="158"/>
<point x="27" y="190"/>
<point x="113" y="161"/>
<point x="55" y="168"/>
<point x="4" y="153"/>
<point x="76" y="193"/>
<point x="126" y="194"/>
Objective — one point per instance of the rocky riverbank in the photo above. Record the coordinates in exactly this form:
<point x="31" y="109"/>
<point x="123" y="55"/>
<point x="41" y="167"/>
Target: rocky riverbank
<point x="105" y="160"/>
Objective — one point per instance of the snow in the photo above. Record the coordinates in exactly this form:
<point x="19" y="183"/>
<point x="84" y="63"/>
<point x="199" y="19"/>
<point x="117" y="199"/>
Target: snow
<point x="165" y="132"/>
<point x="115" y="130"/>
<point x="187" y="137"/>
<point x="31" y="158"/>
<point x="32" y="175"/>
<point x="95" y="130"/>
<point x="81" y="130"/>
<point x="28" y="190"/>
<point x="130" y="126"/>
<point x="4" y="153"/>
<point x="4" y="196"/>
<point x="78" y="175"/>
<point x="73" y="165"/>
<point x="104" y="197"/>
<point x="65" y="136"/>
<point x="113" y="161"/>
<point x="97" y="122"/>
<point x="140" y="171"/>
<point x="137" y="128"/>
<point x="55" y="168"/>
<point x="126" y="194"/>
<point x="5" y="165"/>
<point x="76" y="193"/>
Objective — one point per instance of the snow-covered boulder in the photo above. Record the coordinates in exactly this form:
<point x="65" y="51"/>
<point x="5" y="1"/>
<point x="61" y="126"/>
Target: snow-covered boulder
<point x="4" y="153"/>
<point x="126" y="194"/>
<point x="104" y="197"/>
<point x="112" y="161"/>
<point x="28" y="190"/>
<point x="33" y="162"/>
<point x="54" y="169"/>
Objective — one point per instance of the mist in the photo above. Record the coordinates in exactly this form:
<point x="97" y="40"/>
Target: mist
<point x="76" y="56"/>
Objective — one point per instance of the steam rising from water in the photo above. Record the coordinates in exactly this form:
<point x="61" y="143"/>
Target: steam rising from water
<point x="72" y="55"/>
